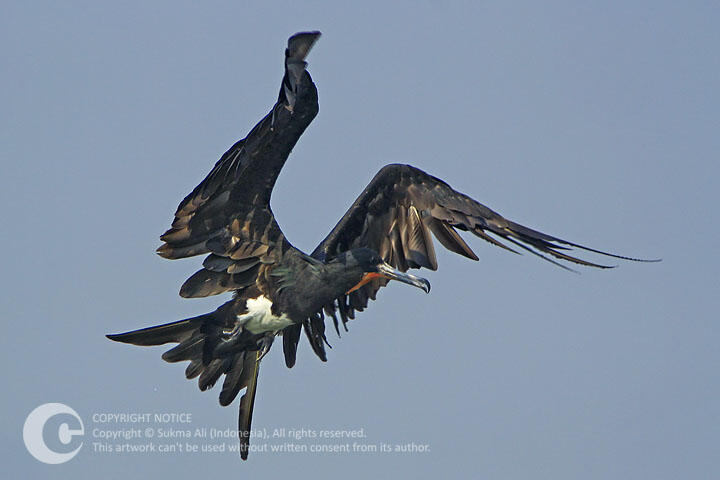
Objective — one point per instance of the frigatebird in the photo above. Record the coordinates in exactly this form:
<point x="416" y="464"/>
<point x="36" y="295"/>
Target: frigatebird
<point x="280" y="290"/>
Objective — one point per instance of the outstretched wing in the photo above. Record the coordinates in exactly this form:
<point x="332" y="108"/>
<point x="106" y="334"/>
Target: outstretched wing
<point x="228" y="215"/>
<point x="402" y="206"/>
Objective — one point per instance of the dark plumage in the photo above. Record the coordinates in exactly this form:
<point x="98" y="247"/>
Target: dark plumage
<point x="280" y="290"/>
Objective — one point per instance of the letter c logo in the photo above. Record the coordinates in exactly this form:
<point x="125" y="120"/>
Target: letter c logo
<point x="33" y="433"/>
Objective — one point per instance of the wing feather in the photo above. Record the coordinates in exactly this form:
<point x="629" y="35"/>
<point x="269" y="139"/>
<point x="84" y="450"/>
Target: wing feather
<point x="403" y="207"/>
<point x="228" y="214"/>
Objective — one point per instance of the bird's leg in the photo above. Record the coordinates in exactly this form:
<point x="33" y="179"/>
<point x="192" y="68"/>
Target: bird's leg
<point x="234" y="341"/>
<point x="265" y="343"/>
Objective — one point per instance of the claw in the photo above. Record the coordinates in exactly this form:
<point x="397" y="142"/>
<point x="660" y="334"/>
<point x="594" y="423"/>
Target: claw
<point x="229" y="344"/>
<point x="265" y="343"/>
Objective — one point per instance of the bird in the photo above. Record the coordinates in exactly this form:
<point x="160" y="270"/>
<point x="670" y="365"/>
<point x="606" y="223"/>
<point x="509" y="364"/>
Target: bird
<point x="280" y="291"/>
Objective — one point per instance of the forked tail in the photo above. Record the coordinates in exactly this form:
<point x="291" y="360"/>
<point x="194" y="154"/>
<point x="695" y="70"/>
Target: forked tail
<point x="203" y="341"/>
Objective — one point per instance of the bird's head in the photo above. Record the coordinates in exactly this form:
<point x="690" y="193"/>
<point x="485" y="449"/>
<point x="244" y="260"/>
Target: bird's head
<point x="362" y="265"/>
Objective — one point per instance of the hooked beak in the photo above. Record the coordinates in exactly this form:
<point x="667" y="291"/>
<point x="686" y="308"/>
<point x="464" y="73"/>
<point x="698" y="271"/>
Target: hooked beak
<point x="387" y="271"/>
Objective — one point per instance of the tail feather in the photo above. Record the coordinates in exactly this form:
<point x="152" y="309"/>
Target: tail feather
<point x="187" y="350"/>
<point x="232" y="385"/>
<point x="199" y="341"/>
<point x="193" y="369"/>
<point x="212" y="372"/>
<point x="203" y="341"/>
<point x="291" y="335"/>
<point x="179" y="331"/>
<point x="249" y="377"/>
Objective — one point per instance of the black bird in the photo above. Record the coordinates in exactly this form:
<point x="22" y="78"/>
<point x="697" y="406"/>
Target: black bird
<point x="279" y="290"/>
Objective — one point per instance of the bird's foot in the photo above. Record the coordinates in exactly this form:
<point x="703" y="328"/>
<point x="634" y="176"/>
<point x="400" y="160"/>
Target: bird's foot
<point x="229" y="344"/>
<point x="265" y="343"/>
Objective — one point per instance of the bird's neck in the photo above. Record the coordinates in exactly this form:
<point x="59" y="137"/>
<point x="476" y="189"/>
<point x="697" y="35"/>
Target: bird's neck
<point x="305" y="290"/>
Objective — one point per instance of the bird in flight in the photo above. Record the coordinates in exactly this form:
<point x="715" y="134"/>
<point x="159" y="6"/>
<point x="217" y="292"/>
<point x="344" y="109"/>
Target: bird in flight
<point x="279" y="290"/>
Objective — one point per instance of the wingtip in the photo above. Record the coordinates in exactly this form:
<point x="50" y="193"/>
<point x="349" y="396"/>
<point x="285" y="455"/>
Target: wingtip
<point x="310" y="35"/>
<point x="118" y="337"/>
<point x="164" y="251"/>
<point x="299" y="45"/>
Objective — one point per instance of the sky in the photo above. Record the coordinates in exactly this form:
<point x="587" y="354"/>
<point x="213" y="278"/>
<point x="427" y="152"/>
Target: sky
<point x="593" y="121"/>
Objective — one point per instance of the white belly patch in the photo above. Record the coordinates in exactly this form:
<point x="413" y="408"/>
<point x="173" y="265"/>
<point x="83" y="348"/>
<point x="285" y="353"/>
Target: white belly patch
<point x="259" y="317"/>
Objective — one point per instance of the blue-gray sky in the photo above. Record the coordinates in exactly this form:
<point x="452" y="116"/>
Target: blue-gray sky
<point x="593" y="121"/>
